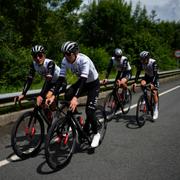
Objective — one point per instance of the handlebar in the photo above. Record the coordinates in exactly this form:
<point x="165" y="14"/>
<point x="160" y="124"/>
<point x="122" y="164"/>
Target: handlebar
<point x="147" y="87"/>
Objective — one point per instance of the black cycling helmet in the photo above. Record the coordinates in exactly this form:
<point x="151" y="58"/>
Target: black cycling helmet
<point x="37" y="49"/>
<point x="144" y="55"/>
<point x="70" y="47"/>
<point x="118" y="52"/>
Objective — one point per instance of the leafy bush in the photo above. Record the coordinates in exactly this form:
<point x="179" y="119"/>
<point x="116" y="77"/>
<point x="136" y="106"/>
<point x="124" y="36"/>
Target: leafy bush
<point x="99" y="56"/>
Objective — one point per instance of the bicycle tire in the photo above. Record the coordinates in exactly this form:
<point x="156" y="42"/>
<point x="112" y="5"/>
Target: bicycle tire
<point x="110" y="106"/>
<point x="125" y="107"/>
<point x="60" y="144"/>
<point x="141" y="111"/>
<point x="101" y="122"/>
<point x="27" y="135"/>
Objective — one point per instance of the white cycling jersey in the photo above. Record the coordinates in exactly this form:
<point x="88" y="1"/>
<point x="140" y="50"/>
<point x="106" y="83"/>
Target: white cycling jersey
<point x="121" y="64"/>
<point x="82" y="67"/>
<point x="149" y="68"/>
<point x="43" y="69"/>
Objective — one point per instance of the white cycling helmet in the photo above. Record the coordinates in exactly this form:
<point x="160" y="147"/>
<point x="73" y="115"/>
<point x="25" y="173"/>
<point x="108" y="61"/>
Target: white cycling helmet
<point x="37" y="49"/>
<point x="118" y="52"/>
<point x="70" y="47"/>
<point x="144" y="55"/>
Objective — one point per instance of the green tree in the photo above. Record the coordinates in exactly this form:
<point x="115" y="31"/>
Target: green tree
<point x="106" y="23"/>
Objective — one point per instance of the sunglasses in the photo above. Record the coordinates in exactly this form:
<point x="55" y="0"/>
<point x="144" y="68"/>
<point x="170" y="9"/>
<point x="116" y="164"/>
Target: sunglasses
<point x="144" y="60"/>
<point x="40" y="55"/>
<point x="67" y="54"/>
<point x="117" y="56"/>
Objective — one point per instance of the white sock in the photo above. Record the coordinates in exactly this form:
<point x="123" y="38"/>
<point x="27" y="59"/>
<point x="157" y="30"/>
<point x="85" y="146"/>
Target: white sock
<point x="156" y="107"/>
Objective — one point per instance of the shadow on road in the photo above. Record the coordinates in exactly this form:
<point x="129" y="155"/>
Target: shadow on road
<point x="128" y="120"/>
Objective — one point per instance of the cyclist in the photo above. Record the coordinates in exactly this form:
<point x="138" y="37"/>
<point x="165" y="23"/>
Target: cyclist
<point x="46" y="68"/>
<point x="88" y="81"/>
<point x="122" y="66"/>
<point x="150" y="68"/>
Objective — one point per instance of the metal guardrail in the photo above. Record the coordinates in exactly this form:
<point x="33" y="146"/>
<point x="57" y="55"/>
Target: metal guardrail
<point x="9" y="97"/>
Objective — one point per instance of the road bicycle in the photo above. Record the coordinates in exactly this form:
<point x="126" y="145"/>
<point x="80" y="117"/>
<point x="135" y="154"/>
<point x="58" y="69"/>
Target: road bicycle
<point x="66" y="133"/>
<point x="145" y="105"/>
<point x="28" y="131"/>
<point x="118" y="99"/>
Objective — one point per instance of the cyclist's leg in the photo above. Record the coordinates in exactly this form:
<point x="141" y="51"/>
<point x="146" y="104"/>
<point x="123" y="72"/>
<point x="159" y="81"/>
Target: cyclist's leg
<point x="125" y="76"/>
<point x="92" y="96"/>
<point x="155" y="98"/>
<point x="47" y="93"/>
<point x="126" y="94"/>
<point x="144" y="81"/>
<point x="93" y="93"/>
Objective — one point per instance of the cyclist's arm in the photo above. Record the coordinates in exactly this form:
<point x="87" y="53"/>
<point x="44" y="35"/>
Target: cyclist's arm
<point x="155" y="72"/>
<point x="125" y="64"/>
<point x="49" y="76"/>
<point x="85" y="66"/>
<point x="61" y="80"/>
<point x="58" y="85"/>
<point x="110" y="65"/>
<point x="79" y="90"/>
<point x="29" y="80"/>
<point x="50" y="70"/>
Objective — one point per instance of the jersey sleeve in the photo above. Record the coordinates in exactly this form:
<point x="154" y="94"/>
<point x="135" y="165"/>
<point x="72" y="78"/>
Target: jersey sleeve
<point x="63" y="68"/>
<point x="125" y="63"/>
<point x="81" y="85"/>
<point x="50" y="69"/>
<point x="85" y="66"/>
<point x="155" y="72"/>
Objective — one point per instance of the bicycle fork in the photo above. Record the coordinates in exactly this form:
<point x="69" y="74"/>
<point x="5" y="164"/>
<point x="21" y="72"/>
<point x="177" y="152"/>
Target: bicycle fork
<point x="30" y="129"/>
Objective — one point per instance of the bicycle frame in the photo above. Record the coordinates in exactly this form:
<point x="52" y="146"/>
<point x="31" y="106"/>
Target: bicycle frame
<point x="143" y="110"/>
<point x="39" y="111"/>
<point x="72" y="119"/>
<point x="148" y="97"/>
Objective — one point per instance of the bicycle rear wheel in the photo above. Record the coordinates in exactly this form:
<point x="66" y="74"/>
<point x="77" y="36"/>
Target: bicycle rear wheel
<point x="60" y="143"/>
<point x="141" y="111"/>
<point x="101" y="122"/>
<point x="125" y="107"/>
<point x="27" y="135"/>
<point x="110" y="106"/>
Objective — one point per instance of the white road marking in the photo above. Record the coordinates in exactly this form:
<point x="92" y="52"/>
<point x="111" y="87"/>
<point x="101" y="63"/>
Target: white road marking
<point x="14" y="157"/>
<point x="4" y="162"/>
<point x="172" y="89"/>
<point x="7" y="161"/>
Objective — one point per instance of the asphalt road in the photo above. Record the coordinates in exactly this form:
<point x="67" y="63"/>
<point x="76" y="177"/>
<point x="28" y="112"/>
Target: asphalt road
<point x="127" y="152"/>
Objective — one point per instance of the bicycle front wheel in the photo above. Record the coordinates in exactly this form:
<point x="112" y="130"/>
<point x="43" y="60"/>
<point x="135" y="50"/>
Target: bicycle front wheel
<point x="110" y="106"/>
<point x="27" y="135"/>
<point x="101" y="122"/>
<point x="127" y="102"/>
<point x="60" y="143"/>
<point x="141" y="111"/>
